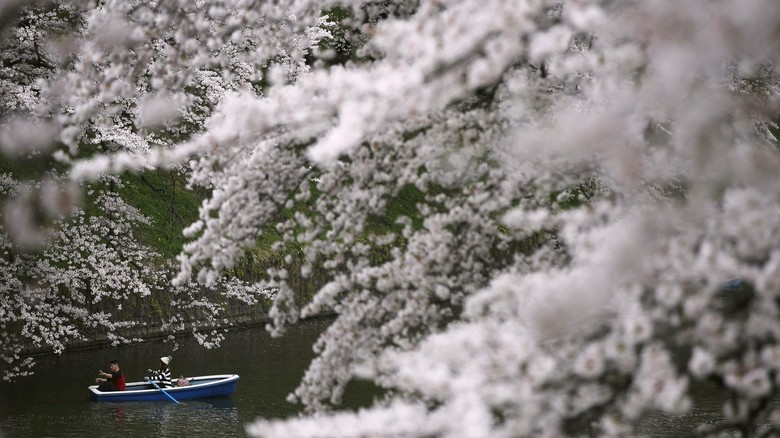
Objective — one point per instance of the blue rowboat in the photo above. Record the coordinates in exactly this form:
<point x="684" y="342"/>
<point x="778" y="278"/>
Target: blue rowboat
<point x="219" y="385"/>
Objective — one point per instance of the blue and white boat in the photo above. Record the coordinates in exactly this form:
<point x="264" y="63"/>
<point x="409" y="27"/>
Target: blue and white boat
<point x="219" y="385"/>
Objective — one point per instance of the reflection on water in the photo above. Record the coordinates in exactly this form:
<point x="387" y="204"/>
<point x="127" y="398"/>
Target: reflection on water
<point x="218" y="418"/>
<point x="55" y="402"/>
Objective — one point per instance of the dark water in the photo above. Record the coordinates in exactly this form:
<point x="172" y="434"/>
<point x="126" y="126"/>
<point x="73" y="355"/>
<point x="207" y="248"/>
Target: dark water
<point x="55" y="403"/>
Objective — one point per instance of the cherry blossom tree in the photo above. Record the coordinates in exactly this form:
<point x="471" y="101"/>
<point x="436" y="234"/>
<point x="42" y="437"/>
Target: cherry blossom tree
<point x="92" y="280"/>
<point x="594" y="229"/>
<point x="72" y="273"/>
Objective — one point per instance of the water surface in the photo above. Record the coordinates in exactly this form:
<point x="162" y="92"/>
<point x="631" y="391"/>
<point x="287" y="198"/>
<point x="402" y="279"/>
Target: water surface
<point x="54" y="402"/>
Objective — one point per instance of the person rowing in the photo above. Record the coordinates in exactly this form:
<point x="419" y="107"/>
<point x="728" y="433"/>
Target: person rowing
<point x="162" y="376"/>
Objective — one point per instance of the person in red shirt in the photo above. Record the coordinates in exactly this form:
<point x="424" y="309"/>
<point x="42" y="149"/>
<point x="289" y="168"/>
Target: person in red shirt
<point x="115" y="381"/>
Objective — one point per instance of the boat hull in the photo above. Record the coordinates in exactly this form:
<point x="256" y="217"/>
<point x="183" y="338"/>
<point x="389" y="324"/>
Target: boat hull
<point x="221" y="385"/>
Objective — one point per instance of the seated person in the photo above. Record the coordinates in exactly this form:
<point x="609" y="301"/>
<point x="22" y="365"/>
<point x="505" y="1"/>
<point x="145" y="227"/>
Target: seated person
<point x="115" y="381"/>
<point x="163" y="375"/>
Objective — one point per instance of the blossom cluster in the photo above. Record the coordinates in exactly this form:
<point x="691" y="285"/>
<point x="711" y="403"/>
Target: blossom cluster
<point x="595" y="188"/>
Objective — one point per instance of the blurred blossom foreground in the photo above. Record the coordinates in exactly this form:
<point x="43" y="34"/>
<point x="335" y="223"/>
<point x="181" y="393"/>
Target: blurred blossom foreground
<point x="596" y="191"/>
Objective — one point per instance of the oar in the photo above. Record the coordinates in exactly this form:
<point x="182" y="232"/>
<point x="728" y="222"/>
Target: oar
<point x="163" y="391"/>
